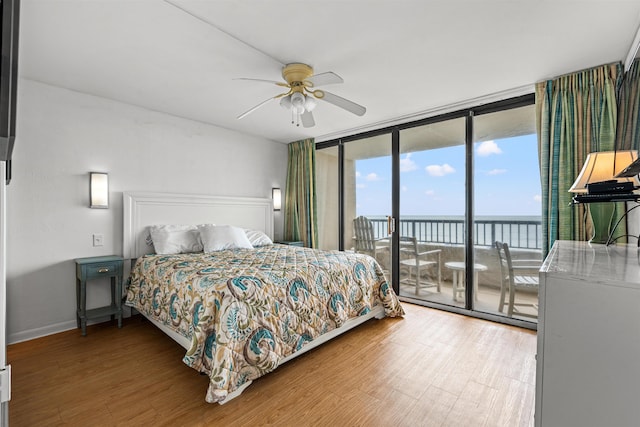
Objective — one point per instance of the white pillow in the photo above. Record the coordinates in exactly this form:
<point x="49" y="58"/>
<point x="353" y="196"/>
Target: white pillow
<point x="220" y="237"/>
<point x="258" y="238"/>
<point x="175" y="239"/>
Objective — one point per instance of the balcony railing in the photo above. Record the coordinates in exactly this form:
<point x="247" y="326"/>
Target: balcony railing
<point x="524" y="234"/>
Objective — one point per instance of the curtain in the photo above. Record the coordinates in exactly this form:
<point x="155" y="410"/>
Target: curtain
<point x="628" y="131"/>
<point x="576" y="114"/>
<point x="300" y="221"/>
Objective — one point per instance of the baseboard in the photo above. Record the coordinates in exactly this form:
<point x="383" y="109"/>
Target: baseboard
<point x="31" y="334"/>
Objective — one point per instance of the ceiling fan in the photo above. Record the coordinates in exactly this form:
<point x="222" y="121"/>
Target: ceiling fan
<point x="301" y="95"/>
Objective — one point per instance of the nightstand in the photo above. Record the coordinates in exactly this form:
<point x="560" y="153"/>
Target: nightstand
<point x="93" y="268"/>
<point x="291" y="242"/>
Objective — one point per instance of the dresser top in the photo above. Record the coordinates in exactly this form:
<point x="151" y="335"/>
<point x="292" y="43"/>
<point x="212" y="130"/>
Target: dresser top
<point x="615" y="265"/>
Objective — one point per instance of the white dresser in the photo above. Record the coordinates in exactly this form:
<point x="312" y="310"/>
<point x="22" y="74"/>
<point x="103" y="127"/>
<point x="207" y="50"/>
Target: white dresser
<point x="588" y="367"/>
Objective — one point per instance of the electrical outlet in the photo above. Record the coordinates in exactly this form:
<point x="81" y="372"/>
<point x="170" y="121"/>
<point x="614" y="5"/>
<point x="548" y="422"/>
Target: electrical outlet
<point x="98" y="240"/>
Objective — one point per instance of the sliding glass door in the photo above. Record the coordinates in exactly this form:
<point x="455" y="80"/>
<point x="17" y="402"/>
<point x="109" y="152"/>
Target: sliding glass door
<point x="507" y="212"/>
<point x="367" y="189"/>
<point x="432" y="212"/>
<point x="429" y="199"/>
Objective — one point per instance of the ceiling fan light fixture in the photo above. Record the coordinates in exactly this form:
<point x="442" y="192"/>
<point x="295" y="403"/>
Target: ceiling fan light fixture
<point x="285" y="102"/>
<point x="297" y="101"/>
<point x="310" y="103"/>
<point x="301" y="96"/>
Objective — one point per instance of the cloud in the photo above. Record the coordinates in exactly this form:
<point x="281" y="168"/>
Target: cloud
<point x="358" y="175"/>
<point x="404" y="188"/>
<point x="439" y="170"/>
<point x="360" y="186"/>
<point x="537" y="198"/>
<point x="373" y="177"/>
<point x="488" y="148"/>
<point x="430" y="193"/>
<point x="496" y="171"/>
<point x="407" y="165"/>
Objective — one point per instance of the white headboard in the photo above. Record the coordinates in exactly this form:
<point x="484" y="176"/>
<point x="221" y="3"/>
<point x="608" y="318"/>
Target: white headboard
<point x="142" y="209"/>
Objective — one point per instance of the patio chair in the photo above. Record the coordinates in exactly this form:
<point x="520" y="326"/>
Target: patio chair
<point x="365" y="241"/>
<point x="413" y="259"/>
<point x="519" y="274"/>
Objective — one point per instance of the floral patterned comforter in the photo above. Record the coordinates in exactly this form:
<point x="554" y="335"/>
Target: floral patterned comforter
<point x="245" y="309"/>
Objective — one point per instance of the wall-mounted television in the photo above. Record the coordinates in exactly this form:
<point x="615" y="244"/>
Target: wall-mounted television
<point x="9" y="31"/>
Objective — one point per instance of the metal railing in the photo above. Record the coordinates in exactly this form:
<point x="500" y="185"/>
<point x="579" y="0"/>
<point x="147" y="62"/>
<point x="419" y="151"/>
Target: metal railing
<point x="517" y="233"/>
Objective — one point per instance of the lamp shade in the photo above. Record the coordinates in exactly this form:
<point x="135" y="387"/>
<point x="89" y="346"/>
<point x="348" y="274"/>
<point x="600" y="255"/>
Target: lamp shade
<point x="276" y="194"/>
<point x="98" y="190"/>
<point x="297" y="102"/>
<point x="285" y="102"/>
<point x="604" y="166"/>
<point x="309" y="103"/>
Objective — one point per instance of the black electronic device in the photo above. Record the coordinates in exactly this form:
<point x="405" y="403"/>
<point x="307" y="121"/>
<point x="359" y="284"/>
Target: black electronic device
<point x="605" y="197"/>
<point x="9" y="30"/>
<point x="611" y="186"/>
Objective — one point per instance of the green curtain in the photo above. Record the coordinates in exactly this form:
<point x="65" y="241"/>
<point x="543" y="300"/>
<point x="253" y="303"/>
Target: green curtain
<point x="628" y="131"/>
<point x="300" y="221"/>
<point x="576" y="114"/>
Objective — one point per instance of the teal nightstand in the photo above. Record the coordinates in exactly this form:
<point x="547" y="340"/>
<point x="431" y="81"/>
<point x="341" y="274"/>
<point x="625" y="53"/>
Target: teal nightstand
<point x="291" y="242"/>
<point x="93" y="268"/>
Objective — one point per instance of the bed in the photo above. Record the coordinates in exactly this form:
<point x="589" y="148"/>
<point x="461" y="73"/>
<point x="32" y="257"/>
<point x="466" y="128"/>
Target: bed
<point x="242" y="311"/>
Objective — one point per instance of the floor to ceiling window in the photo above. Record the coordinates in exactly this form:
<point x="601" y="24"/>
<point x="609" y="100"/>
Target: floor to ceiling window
<point x="432" y="211"/>
<point x="456" y="190"/>
<point x="367" y="197"/>
<point x="507" y="210"/>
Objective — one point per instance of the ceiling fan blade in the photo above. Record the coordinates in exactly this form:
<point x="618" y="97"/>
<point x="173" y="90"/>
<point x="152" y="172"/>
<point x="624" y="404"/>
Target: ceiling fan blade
<point x="246" y="113"/>
<point x="327" y="78"/>
<point x="307" y="119"/>
<point x="264" y="81"/>
<point x="339" y="101"/>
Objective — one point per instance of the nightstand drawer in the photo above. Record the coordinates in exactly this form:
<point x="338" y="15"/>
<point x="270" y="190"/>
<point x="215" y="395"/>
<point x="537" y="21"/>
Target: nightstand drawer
<point x="103" y="269"/>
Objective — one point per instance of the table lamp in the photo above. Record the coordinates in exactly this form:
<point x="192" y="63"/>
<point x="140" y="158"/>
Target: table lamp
<point x="598" y="167"/>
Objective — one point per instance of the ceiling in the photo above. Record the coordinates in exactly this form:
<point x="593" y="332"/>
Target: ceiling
<point x="401" y="59"/>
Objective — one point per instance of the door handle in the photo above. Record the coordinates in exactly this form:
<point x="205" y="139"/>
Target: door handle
<point x="391" y="225"/>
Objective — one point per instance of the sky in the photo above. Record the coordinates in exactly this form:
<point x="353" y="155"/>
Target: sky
<point x="506" y="177"/>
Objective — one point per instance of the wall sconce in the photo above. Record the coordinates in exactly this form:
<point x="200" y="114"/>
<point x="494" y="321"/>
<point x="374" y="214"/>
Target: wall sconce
<point x="276" y="195"/>
<point x="98" y="190"/>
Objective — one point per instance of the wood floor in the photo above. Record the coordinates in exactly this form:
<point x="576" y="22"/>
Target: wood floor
<point x="430" y="368"/>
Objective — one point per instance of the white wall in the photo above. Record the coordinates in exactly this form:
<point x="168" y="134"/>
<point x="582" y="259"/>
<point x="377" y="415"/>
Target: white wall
<point x="61" y="136"/>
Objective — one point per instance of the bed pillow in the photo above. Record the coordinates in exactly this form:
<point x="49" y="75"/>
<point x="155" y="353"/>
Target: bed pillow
<point x="258" y="238"/>
<point x="175" y="239"/>
<point x="220" y="237"/>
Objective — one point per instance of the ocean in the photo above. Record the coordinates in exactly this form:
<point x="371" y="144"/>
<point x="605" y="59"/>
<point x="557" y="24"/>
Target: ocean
<point x="519" y="231"/>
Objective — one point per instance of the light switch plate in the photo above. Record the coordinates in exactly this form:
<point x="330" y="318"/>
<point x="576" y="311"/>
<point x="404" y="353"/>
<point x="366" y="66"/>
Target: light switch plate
<point x="98" y="240"/>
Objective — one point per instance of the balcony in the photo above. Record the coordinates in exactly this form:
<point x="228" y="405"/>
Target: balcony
<point x="523" y="237"/>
